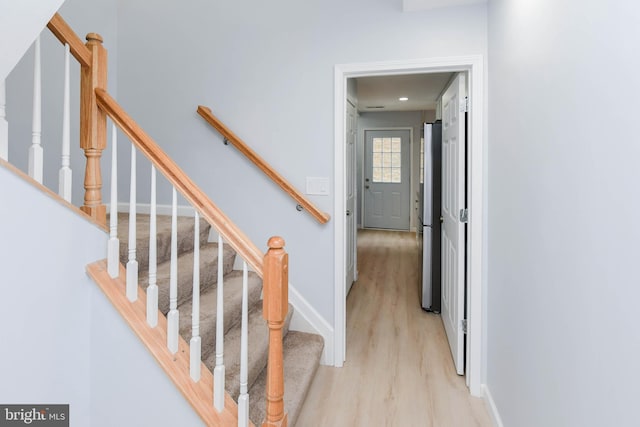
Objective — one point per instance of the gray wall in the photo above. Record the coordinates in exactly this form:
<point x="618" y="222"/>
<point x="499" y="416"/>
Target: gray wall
<point x="267" y="70"/>
<point x="563" y="341"/>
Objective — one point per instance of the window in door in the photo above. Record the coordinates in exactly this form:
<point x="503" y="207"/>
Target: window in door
<point x="387" y="164"/>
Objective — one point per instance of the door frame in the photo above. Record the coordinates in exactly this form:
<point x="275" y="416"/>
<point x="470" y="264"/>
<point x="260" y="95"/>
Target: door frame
<point x="474" y="66"/>
<point x="411" y="171"/>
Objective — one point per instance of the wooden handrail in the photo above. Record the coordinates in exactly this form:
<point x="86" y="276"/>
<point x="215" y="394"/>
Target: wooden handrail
<point x="66" y="35"/>
<point x="181" y="181"/>
<point x="265" y="167"/>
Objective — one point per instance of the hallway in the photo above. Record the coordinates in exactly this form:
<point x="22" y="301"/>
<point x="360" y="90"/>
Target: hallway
<point x="399" y="370"/>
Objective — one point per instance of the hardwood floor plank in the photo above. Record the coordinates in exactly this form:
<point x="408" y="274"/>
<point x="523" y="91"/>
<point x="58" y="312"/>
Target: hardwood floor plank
<point x="399" y="370"/>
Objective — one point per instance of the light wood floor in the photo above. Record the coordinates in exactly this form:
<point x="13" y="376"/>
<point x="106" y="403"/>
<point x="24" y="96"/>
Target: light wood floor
<point x="399" y="370"/>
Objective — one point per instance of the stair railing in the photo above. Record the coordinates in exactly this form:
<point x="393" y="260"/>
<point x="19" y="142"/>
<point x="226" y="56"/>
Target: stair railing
<point x="272" y="267"/>
<point x="92" y="58"/>
<point x="266" y="168"/>
<point x="95" y="106"/>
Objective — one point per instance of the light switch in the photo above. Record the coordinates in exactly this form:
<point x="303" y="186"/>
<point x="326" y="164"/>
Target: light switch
<point x="318" y="186"/>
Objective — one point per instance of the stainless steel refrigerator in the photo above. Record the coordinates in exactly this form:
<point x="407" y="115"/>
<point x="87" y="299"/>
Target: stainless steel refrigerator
<point x="429" y="213"/>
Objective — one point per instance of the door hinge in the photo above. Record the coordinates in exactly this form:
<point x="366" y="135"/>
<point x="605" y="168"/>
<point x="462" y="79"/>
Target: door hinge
<point x="463" y="325"/>
<point x="464" y="105"/>
<point x="464" y="215"/>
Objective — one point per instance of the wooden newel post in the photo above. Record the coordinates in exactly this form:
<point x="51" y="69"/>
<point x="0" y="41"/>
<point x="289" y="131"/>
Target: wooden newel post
<point x="93" y="126"/>
<point x="275" y="307"/>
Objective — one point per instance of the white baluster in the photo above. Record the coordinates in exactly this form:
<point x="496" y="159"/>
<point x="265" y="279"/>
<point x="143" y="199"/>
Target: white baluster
<point x="173" y="316"/>
<point x="218" y="371"/>
<point x="152" y="290"/>
<point x="195" y="344"/>
<point x="113" y="247"/>
<point x="35" y="151"/>
<point x="132" y="264"/>
<point x="4" y="126"/>
<point x="243" y="398"/>
<point x="64" y="176"/>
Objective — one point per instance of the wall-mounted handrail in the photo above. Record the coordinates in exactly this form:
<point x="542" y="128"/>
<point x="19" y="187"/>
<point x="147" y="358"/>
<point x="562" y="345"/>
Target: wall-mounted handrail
<point x="321" y="217"/>
<point x="181" y="181"/>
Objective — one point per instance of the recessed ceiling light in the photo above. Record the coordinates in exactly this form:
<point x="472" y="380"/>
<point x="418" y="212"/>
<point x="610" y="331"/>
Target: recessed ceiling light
<point x="403" y="98"/>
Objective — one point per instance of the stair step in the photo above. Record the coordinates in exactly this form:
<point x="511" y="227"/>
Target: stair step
<point x="208" y="309"/>
<point x="185" y="237"/>
<point x="258" y="349"/>
<point x="302" y="352"/>
<point x="208" y="273"/>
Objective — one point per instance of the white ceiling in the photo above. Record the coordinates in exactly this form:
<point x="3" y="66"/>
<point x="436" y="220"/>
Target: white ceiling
<point x="411" y="5"/>
<point x="384" y="91"/>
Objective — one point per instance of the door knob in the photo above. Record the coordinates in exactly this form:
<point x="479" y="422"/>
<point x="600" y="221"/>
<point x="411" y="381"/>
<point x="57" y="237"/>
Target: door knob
<point x="441" y="220"/>
<point x="348" y="212"/>
<point x="366" y="186"/>
<point x="366" y="179"/>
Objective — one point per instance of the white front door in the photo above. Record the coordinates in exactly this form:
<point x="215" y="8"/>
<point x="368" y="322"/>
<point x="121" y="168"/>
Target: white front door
<point x="387" y="179"/>
<point x="350" y="158"/>
<point x="453" y="229"/>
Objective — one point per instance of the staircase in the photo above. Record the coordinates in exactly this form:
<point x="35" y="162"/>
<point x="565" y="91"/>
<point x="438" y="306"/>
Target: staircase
<point x="263" y="366"/>
<point x="302" y="351"/>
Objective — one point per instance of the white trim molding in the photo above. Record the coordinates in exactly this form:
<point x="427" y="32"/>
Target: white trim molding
<point x="306" y="319"/>
<point x="491" y="407"/>
<point x="474" y="66"/>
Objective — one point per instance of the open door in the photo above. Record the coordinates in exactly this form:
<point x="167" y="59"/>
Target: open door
<point x="453" y="214"/>
<point x="350" y="202"/>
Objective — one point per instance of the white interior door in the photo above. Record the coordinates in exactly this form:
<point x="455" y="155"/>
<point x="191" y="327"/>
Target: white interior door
<point x="453" y="229"/>
<point x="387" y="179"/>
<point x="351" y="229"/>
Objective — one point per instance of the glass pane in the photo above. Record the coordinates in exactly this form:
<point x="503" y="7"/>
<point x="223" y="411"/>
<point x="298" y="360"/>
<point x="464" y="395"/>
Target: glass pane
<point x="377" y="160"/>
<point x="377" y="145"/>
<point x="386" y="160"/>
<point x="395" y="145"/>
<point x="377" y="174"/>
<point x="386" y="175"/>
<point x="395" y="160"/>
<point x="395" y="175"/>
<point x="386" y="145"/>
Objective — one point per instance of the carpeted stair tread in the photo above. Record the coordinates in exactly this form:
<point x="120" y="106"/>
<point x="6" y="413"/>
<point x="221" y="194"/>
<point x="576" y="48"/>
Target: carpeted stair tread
<point x="208" y="273"/>
<point x="302" y="352"/>
<point x="163" y="224"/>
<point x="258" y="349"/>
<point x="208" y="308"/>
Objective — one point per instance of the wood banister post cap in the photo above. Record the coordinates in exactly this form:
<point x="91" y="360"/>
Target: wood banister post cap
<point x="94" y="37"/>
<point x="276" y="242"/>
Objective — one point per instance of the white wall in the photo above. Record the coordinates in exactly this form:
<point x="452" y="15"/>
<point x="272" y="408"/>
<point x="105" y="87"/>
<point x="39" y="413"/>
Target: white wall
<point x="45" y="314"/>
<point x="563" y="341"/>
<point x="128" y="387"/>
<point x="84" y="16"/>
<point x="20" y="22"/>
<point x="267" y="69"/>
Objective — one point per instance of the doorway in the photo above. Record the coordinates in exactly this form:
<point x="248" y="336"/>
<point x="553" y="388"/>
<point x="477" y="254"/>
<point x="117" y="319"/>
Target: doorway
<point x="387" y="179"/>
<point x="473" y="65"/>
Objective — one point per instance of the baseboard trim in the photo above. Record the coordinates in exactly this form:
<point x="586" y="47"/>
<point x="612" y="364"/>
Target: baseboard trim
<point x="306" y="319"/>
<point x="491" y="407"/>
<point x="145" y="208"/>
